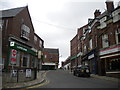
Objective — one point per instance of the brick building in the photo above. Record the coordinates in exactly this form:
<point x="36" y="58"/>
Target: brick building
<point x="99" y="42"/>
<point x="66" y="65"/>
<point x="73" y="51"/>
<point x="51" y="59"/>
<point x="20" y="44"/>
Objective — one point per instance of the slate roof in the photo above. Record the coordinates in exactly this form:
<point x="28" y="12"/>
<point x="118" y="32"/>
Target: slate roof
<point x="11" y="12"/>
<point x="50" y="50"/>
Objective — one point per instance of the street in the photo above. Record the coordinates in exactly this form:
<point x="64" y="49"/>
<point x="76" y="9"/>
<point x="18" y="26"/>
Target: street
<point x="65" y="79"/>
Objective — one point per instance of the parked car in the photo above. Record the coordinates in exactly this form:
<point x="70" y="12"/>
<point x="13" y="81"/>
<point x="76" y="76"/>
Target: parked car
<point x="81" y="70"/>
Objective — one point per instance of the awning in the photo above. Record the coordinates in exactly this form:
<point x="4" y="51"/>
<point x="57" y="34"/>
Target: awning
<point x="74" y="57"/>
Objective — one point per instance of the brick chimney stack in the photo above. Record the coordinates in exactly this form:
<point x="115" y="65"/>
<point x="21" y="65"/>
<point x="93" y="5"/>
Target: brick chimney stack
<point x="97" y="13"/>
<point x="109" y="5"/>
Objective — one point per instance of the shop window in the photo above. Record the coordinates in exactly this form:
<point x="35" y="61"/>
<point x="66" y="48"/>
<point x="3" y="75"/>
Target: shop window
<point x="25" y="32"/>
<point x="18" y="59"/>
<point x="118" y="35"/>
<point x="114" y="65"/>
<point x="105" y="42"/>
<point x="25" y="60"/>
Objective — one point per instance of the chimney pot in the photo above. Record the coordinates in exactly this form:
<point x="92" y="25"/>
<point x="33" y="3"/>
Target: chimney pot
<point x="97" y="13"/>
<point x="109" y="5"/>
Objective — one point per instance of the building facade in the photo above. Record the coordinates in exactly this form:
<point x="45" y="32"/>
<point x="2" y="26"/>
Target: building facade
<point x="19" y="49"/>
<point x="66" y="65"/>
<point x="98" y="43"/>
<point x="51" y="59"/>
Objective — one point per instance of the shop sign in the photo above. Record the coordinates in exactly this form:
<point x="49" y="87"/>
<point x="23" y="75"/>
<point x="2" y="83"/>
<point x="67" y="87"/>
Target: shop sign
<point x="39" y="54"/>
<point x="13" y="56"/>
<point x="18" y="47"/>
<point x="91" y="56"/>
<point x="110" y="50"/>
<point x="22" y="48"/>
<point x="73" y="57"/>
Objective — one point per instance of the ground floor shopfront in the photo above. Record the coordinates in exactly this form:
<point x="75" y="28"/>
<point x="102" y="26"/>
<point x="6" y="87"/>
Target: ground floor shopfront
<point x="49" y="66"/>
<point x="19" y="60"/>
<point x="110" y="61"/>
<point x="22" y="56"/>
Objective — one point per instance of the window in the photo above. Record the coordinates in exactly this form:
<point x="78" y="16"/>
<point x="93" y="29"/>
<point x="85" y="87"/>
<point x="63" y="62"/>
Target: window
<point x="1" y="23"/>
<point x="25" y="60"/>
<point x="84" y="33"/>
<point x="90" y="44"/>
<point x="85" y="49"/>
<point x="102" y="22"/>
<point x="105" y="42"/>
<point x="25" y="31"/>
<point x="40" y="43"/>
<point x="35" y="39"/>
<point x="89" y="29"/>
<point x="118" y="35"/>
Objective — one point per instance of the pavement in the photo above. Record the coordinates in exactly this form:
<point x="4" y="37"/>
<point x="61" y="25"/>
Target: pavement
<point x="41" y="79"/>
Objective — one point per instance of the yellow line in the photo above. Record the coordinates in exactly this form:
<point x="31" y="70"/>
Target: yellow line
<point x="39" y="85"/>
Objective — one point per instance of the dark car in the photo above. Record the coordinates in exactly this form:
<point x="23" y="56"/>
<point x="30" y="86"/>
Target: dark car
<point x="81" y="70"/>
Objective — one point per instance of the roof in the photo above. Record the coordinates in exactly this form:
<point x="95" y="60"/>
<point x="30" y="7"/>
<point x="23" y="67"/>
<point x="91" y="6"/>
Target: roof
<point x="11" y="12"/>
<point x="51" y="50"/>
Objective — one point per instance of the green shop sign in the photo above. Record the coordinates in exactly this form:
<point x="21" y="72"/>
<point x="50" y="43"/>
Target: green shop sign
<point x="74" y="57"/>
<point x="18" y="47"/>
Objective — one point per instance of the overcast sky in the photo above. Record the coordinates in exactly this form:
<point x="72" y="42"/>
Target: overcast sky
<point x="56" y="21"/>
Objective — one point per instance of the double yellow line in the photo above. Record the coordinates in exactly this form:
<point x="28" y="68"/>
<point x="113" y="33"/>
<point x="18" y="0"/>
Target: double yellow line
<point x="38" y="85"/>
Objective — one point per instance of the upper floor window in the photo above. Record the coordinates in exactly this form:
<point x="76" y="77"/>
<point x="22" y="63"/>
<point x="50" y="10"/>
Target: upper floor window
<point x="105" y="42"/>
<point x="103" y="23"/>
<point x="118" y="35"/>
<point x="25" y="32"/>
<point x="89" y="29"/>
<point x="1" y="23"/>
<point x="84" y="33"/>
<point x="40" y="44"/>
<point x="90" y="44"/>
<point x="85" y="49"/>
<point x="35" y="39"/>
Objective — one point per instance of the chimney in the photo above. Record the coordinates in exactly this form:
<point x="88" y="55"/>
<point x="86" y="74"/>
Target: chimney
<point x="109" y="5"/>
<point x="97" y="13"/>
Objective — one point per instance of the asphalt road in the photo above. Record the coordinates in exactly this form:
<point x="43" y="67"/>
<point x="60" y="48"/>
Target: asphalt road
<point x="64" y="79"/>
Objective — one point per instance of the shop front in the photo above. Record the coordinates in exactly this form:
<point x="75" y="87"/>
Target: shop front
<point x="110" y="59"/>
<point x="73" y="60"/>
<point x="20" y="56"/>
<point x="92" y="62"/>
<point x="85" y="60"/>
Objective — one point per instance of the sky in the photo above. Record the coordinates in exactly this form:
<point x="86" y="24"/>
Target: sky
<point x="57" y="21"/>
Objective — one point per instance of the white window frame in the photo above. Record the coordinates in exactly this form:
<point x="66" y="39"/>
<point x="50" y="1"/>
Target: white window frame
<point x="90" y="44"/>
<point x="117" y="32"/>
<point x="1" y="23"/>
<point x="105" y="42"/>
<point x="25" y="32"/>
<point x="40" y="43"/>
<point x="35" y="39"/>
